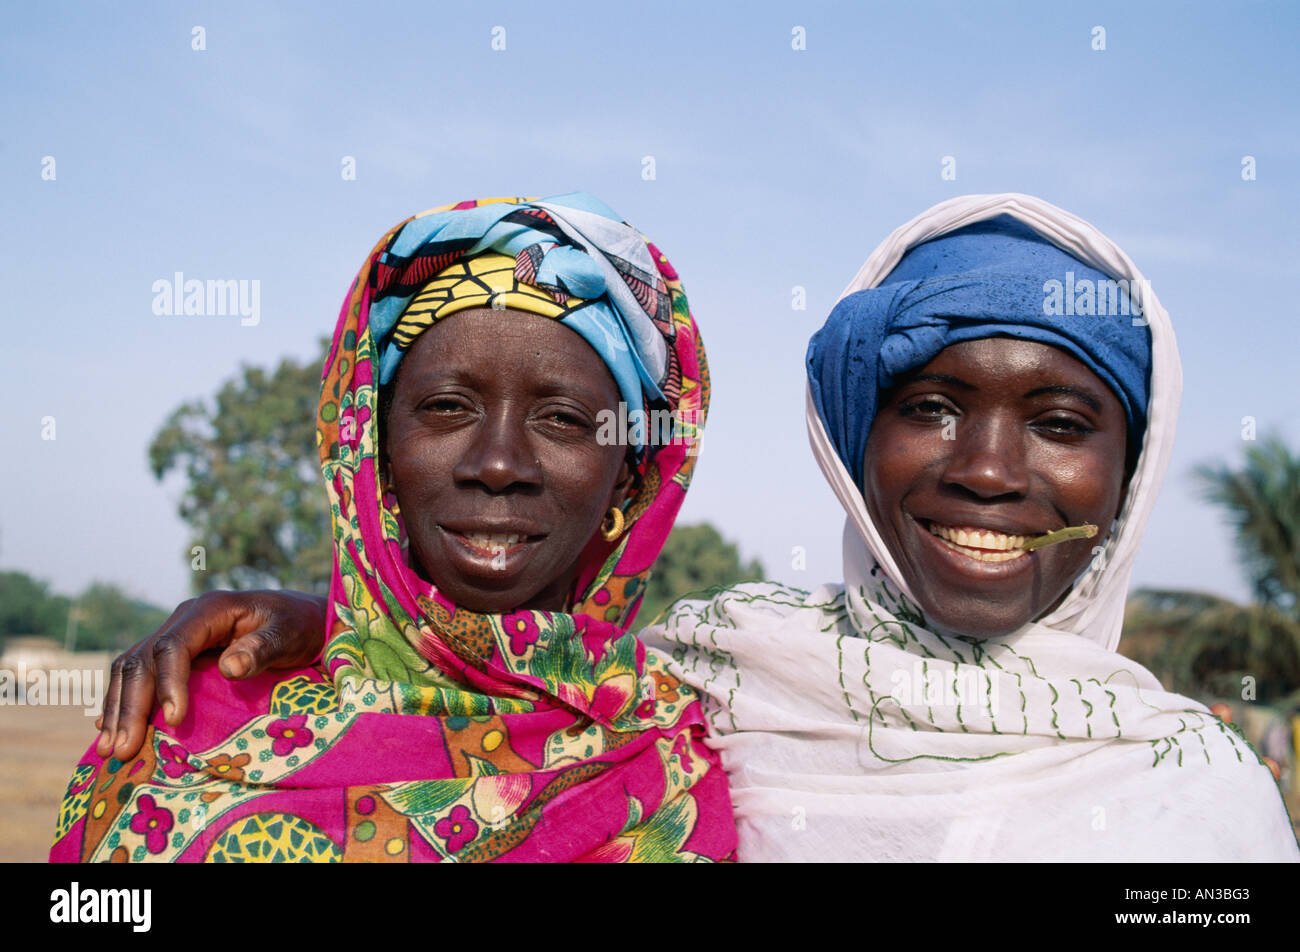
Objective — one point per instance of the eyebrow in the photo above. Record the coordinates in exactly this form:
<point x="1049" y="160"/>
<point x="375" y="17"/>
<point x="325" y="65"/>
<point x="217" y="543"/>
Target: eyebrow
<point x="1064" y="391"/>
<point x="942" y="378"/>
<point x="1059" y="389"/>
<point x="474" y="377"/>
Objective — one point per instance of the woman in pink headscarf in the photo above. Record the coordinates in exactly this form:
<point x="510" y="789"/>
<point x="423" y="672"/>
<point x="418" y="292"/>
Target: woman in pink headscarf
<point x="480" y="696"/>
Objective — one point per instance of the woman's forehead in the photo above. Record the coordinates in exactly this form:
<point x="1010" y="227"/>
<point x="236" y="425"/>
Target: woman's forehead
<point x="505" y="342"/>
<point x="990" y="361"/>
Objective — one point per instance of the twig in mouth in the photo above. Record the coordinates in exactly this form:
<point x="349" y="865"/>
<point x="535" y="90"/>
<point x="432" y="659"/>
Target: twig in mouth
<point x="1060" y="535"/>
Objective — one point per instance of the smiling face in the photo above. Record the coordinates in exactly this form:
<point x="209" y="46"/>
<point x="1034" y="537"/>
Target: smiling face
<point x="1011" y="438"/>
<point x="491" y="449"/>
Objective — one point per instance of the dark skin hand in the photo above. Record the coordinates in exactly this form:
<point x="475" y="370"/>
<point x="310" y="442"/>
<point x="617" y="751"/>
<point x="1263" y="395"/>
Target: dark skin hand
<point x="1037" y="442"/>
<point x="262" y="629"/>
<point x="490" y="447"/>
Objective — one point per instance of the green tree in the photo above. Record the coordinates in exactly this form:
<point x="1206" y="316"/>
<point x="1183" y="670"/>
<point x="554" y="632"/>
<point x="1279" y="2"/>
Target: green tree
<point x="102" y="618"/>
<point x="254" y="501"/>
<point x="1262" y="500"/>
<point x="107" y="619"/>
<point x="28" y="608"/>
<point x="1203" y="645"/>
<point x="695" y="558"/>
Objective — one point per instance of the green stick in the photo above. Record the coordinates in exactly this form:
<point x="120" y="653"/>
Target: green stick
<point x="1061" y="535"/>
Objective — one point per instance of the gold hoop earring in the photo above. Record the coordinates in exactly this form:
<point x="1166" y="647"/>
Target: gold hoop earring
<point x="612" y="527"/>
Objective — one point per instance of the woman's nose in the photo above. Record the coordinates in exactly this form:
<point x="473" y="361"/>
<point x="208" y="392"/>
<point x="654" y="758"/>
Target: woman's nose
<point x="987" y="459"/>
<point x="499" y="456"/>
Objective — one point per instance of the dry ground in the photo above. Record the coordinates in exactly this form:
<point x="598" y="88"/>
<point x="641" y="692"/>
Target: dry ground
<point x="38" y="748"/>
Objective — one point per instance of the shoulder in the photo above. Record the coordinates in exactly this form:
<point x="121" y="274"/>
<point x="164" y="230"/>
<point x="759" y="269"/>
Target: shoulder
<point x="751" y="605"/>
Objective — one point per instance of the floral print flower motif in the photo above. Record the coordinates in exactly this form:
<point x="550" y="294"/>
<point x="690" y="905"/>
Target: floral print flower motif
<point x="682" y="751"/>
<point x="666" y="687"/>
<point x="227" y="767"/>
<point x="646" y="709"/>
<point x="457" y="828"/>
<point x="596" y="636"/>
<point x="175" y="759"/>
<point x="522" y="629"/>
<point x="154" y="822"/>
<point x="290" y="734"/>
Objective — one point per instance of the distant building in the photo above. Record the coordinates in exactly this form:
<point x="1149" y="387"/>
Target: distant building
<point x="39" y="653"/>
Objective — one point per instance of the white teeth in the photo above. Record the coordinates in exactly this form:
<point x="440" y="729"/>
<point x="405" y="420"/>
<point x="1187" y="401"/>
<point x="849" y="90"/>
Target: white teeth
<point x="984" y="545"/>
<point x="493" y="542"/>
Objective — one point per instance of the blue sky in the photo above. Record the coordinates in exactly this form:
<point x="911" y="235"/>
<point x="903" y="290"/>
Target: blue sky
<point x="774" y="168"/>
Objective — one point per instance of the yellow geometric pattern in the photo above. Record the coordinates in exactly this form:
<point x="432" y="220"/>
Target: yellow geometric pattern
<point x="302" y="695"/>
<point x="273" y="838"/>
<point x="73" y="807"/>
<point x="485" y="281"/>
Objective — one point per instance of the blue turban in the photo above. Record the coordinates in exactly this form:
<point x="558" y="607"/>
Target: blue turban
<point x="995" y="278"/>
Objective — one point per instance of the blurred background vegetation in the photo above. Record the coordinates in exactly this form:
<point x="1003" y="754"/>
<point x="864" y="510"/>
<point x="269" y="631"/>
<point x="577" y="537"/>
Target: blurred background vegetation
<point x="254" y="499"/>
<point x="102" y="618"/>
<point x="1209" y="647"/>
<point x="695" y="559"/>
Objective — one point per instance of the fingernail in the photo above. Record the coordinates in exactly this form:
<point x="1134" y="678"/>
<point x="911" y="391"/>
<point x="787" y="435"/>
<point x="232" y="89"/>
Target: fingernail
<point x="237" y="665"/>
<point x="169" y="711"/>
<point x="104" y="738"/>
<point x="121" y="738"/>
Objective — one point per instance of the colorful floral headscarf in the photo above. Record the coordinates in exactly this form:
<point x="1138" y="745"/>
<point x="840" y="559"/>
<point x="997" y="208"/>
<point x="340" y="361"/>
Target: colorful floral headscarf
<point x="431" y="732"/>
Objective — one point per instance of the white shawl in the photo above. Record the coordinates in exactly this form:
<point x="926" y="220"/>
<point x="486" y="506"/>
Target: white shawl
<point x="850" y="732"/>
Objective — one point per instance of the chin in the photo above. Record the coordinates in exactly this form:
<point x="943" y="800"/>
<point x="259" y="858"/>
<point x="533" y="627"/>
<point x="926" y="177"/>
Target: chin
<point x="483" y="605"/>
<point x="485" y="602"/>
<point x="972" y="623"/>
<point x="475" y="599"/>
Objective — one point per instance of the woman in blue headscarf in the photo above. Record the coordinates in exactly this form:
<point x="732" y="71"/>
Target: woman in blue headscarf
<point x="996" y="373"/>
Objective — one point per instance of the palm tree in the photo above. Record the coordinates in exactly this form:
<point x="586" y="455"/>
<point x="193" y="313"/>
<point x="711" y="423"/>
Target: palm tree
<point x="1263" y="504"/>
<point x="1204" y="645"/>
